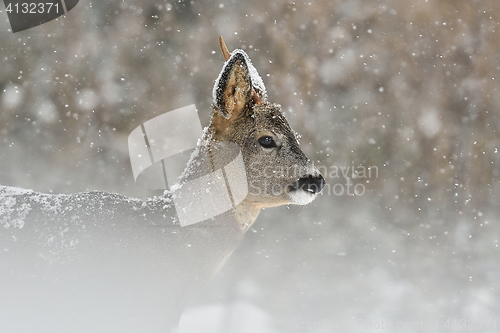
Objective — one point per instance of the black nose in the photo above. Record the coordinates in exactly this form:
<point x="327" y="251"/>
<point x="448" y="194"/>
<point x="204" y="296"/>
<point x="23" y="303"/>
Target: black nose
<point x="312" y="184"/>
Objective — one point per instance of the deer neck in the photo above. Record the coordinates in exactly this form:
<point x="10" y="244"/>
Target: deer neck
<point x="243" y="214"/>
<point x="246" y="213"/>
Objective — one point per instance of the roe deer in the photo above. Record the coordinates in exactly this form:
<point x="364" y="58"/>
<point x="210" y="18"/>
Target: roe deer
<point x="99" y="262"/>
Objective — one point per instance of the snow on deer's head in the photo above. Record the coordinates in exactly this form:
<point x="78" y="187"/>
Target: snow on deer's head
<point x="278" y="172"/>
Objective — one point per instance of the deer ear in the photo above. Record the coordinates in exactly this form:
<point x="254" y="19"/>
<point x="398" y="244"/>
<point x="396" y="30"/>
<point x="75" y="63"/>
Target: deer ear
<point x="233" y="88"/>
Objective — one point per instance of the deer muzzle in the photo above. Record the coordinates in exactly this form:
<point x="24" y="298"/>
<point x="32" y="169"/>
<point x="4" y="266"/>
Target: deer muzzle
<point x="310" y="184"/>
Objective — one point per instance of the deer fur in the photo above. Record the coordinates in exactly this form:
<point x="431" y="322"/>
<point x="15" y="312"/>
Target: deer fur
<point x="102" y="262"/>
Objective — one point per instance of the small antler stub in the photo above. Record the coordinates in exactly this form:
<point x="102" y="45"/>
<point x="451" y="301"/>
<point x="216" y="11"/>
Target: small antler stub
<point x="223" y="48"/>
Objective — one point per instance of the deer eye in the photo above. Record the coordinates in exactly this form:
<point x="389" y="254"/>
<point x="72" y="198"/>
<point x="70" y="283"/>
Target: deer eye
<point x="267" y="142"/>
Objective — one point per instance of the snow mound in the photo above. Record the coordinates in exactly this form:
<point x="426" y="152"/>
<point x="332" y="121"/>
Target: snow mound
<point x="12" y="213"/>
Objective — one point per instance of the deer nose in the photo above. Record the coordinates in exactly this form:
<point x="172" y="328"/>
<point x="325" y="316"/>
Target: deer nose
<point x="311" y="184"/>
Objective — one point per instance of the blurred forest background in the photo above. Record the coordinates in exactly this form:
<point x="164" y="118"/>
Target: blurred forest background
<point x="409" y="88"/>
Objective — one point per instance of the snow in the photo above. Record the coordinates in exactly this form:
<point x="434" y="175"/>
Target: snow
<point x="46" y="112"/>
<point x="12" y="215"/>
<point x="429" y="122"/>
<point x="12" y="96"/>
<point x="16" y="203"/>
<point x="87" y="99"/>
<point x="257" y="82"/>
<point x="244" y="317"/>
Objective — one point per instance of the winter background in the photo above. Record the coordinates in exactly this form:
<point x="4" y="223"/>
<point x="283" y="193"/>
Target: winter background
<point x="408" y="88"/>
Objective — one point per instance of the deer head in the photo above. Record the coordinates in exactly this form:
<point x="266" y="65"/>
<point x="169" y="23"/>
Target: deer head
<point x="278" y="172"/>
